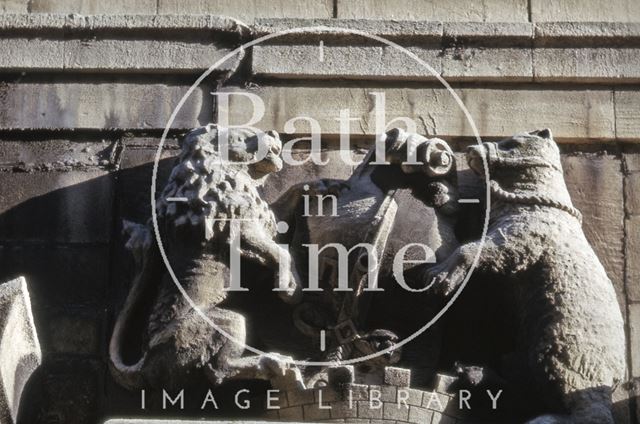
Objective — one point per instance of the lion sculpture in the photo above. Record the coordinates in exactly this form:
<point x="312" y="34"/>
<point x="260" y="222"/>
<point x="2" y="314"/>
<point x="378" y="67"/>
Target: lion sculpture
<point x="196" y="232"/>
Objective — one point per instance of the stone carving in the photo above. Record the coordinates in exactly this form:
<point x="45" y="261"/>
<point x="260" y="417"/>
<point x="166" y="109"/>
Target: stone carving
<point x="196" y="232"/>
<point x="570" y="349"/>
<point x="365" y="212"/>
<point x="19" y="346"/>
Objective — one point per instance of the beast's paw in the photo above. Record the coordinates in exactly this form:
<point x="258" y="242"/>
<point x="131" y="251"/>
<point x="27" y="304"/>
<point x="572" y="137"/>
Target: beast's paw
<point x="290" y="290"/>
<point x="281" y="371"/>
<point x="274" y="364"/>
<point x="443" y="279"/>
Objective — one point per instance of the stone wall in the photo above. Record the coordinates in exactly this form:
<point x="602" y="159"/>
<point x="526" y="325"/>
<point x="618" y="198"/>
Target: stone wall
<point x="87" y="86"/>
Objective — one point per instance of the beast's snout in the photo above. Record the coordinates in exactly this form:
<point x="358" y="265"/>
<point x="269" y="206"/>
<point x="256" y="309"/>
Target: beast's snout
<point x="478" y="156"/>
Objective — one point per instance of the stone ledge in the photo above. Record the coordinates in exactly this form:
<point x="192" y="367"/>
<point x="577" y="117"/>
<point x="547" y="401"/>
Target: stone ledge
<point x="552" y="33"/>
<point x="573" y="115"/>
<point x="563" y="32"/>
<point x="394" y="30"/>
<point x="580" y="33"/>
<point x="585" y="10"/>
<point x="453" y="10"/>
<point x="87" y="104"/>
<point x="460" y="51"/>
<point x="57" y="154"/>
<point x="248" y="11"/>
<point x="45" y="21"/>
<point x="127" y="43"/>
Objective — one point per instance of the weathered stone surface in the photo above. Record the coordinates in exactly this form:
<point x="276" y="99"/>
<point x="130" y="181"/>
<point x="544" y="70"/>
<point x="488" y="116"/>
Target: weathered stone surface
<point x="576" y="115"/>
<point x="19" y="347"/>
<point x="57" y="275"/>
<point x="389" y="29"/>
<point x="395" y="411"/>
<point x="586" y="34"/>
<point x="488" y="57"/>
<point x="585" y="10"/>
<point x="587" y="64"/>
<point x="398" y="377"/>
<point x="181" y="54"/>
<point x="512" y="32"/>
<point x="627" y="103"/>
<point x="248" y="12"/>
<point x="67" y="206"/>
<point x="90" y="105"/>
<point x="595" y="183"/>
<point x="366" y="411"/>
<point x="18" y="23"/>
<point x="75" y="25"/>
<point x="93" y="7"/>
<point x="340" y="61"/>
<point x="72" y="330"/>
<point x="314" y="413"/>
<point x="632" y="255"/>
<point x="478" y="51"/>
<point x="381" y="62"/>
<point x="631" y="161"/>
<point x="13" y="6"/>
<point x="632" y="193"/>
<point x="293" y="413"/>
<point x="486" y="64"/>
<point x="419" y="415"/>
<point x="634" y="338"/>
<point x="457" y="10"/>
<point x="31" y="53"/>
<point x="300" y="397"/>
<point x="52" y="154"/>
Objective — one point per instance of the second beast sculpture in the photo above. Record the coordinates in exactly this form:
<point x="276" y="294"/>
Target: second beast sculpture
<point x="570" y="344"/>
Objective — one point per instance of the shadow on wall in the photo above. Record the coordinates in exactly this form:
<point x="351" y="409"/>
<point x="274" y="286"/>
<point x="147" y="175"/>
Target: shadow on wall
<point x="60" y="231"/>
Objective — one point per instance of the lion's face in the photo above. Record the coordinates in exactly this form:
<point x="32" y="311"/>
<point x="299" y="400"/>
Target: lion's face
<point x="259" y="152"/>
<point x="522" y="151"/>
<point x="272" y="162"/>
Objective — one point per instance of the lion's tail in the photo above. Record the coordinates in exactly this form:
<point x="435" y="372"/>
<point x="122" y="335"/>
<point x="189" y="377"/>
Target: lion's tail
<point x="140" y="243"/>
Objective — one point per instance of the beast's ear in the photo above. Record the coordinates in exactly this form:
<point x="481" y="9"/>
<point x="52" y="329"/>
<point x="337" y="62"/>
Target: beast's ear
<point x="545" y="133"/>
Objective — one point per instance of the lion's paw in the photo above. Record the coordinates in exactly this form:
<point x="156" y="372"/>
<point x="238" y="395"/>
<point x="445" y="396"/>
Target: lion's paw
<point x="281" y="371"/>
<point x="292" y="291"/>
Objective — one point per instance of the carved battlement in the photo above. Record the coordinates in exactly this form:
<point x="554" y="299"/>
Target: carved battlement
<point x="343" y="399"/>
